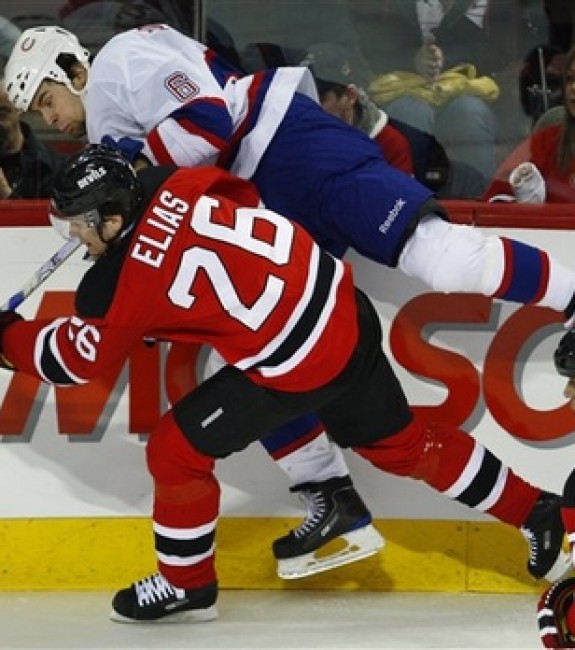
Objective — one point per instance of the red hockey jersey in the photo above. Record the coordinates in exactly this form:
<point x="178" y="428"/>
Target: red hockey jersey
<point x="201" y="267"/>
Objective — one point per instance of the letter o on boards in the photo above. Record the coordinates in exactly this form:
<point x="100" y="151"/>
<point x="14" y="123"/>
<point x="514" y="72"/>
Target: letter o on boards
<point x="500" y="369"/>
<point x="465" y="384"/>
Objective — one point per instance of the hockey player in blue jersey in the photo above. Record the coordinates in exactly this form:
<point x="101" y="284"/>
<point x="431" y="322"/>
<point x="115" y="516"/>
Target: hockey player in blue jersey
<point x="167" y="99"/>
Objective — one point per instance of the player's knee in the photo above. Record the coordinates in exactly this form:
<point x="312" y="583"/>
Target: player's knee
<point x="419" y="450"/>
<point x="171" y="458"/>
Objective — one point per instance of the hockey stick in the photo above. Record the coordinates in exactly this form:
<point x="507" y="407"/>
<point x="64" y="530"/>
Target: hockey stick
<point x="42" y="274"/>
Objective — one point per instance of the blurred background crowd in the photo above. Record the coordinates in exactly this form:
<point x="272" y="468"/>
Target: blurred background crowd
<point x="450" y="89"/>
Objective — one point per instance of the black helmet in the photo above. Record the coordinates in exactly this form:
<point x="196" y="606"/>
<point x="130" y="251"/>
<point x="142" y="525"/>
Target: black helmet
<point x="92" y="184"/>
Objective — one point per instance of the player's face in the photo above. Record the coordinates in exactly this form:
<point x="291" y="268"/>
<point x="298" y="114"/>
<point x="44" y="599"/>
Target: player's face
<point x="96" y="246"/>
<point x="60" y="108"/>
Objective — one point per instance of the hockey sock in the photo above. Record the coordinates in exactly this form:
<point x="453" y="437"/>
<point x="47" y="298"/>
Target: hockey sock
<point x="455" y="464"/>
<point x="186" y="506"/>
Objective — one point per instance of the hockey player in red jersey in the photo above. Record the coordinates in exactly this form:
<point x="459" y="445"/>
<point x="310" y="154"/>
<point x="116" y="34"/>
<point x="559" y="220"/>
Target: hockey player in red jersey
<point x="556" y="606"/>
<point x="190" y="255"/>
<point x="173" y="100"/>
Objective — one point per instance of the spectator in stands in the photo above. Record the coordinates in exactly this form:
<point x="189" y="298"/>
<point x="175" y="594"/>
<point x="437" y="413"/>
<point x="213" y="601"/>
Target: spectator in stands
<point x="413" y="151"/>
<point x="542" y="168"/>
<point x="434" y="54"/>
<point x="9" y="34"/>
<point x="561" y="23"/>
<point x="27" y="166"/>
<point x="541" y="80"/>
<point x="81" y="16"/>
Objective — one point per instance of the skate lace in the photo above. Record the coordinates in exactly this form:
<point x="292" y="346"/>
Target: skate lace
<point x="155" y="588"/>
<point x="316" y="509"/>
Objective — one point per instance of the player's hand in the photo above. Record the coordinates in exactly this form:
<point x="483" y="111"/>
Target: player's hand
<point x="7" y="318"/>
<point x="528" y="184"/>
<point x="128" y="147"/>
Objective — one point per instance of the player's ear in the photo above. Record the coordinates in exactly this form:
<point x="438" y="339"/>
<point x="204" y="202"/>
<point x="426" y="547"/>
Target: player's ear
<point x="112" y="225"/>
<point x="79" y="76"/>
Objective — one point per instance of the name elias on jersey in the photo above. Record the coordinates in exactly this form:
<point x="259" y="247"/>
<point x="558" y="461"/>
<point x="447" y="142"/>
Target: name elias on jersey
<point x="159" y="229"/>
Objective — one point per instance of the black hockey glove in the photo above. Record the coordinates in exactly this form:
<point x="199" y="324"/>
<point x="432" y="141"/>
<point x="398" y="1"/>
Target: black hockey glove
<point x="6" y="319"/>
<point x="564" y="355"/>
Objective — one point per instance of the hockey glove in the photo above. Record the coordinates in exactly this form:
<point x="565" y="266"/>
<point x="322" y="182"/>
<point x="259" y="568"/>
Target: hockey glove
<point x="6" y="319"/>
<point x="128" y="147"/>
<point x="556" y="615"/>
<point x="528" y="184"/>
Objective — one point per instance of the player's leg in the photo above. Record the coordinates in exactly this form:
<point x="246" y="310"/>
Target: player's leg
<point x="185" y="512"/>
<point x="320" y="476"/>
<point x="181" y="453"/>
<point x="374" y="418"/>
<point x="453" y="463"/>
<point x="318" y="473"/>
<point x="210" y="422"/>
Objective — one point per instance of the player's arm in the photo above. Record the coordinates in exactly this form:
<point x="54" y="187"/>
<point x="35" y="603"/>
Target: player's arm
<point x="173" y="113"/>
<point x="193" y="135"/>
<point x="65" y="351"/>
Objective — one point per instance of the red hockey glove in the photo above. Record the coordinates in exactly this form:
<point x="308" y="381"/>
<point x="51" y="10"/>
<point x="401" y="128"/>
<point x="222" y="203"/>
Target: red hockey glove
<point x="6" y="319"/>
<point x="556" y="615"/>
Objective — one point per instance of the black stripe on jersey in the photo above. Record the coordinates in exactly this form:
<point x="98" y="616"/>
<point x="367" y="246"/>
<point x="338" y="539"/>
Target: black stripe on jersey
<point x="184" y="547"/>
<point x="50" y="366"/>
<point x="304" y="327"/>
<point x="483" y="482"/>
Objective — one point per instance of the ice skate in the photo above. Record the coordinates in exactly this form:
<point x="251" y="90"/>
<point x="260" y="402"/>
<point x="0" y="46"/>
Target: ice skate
<point x="544" y="533"/>
<point x="155" y="600"/>
<point x="335" y="511"/>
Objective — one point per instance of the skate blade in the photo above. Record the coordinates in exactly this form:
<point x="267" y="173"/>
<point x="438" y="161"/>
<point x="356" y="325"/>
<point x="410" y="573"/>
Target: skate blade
<point x="189" y="616"/>
<point x="562" y="566"/>
<point x="361" y="544"/>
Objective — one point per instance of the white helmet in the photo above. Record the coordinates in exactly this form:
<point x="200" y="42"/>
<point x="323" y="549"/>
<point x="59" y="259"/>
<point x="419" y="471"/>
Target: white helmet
<point x="34" y="58"/>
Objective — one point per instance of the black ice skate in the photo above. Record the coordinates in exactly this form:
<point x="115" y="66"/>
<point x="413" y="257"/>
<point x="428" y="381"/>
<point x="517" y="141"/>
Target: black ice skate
<point x="544" y="533"/>
<point x="155" y="600"/>
<point x="335" y="510"/>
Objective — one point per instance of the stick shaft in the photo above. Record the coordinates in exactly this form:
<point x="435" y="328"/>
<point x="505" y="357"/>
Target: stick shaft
<point x="41" y="275"/>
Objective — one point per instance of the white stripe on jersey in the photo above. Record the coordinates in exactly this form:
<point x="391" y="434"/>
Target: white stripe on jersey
<point x="305" y="349"/>
<point x="278" y="96"/>
<point x="296" y="315"/>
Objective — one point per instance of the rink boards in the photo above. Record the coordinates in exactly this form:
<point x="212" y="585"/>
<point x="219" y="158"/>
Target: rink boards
<point x="76" y="493"/>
